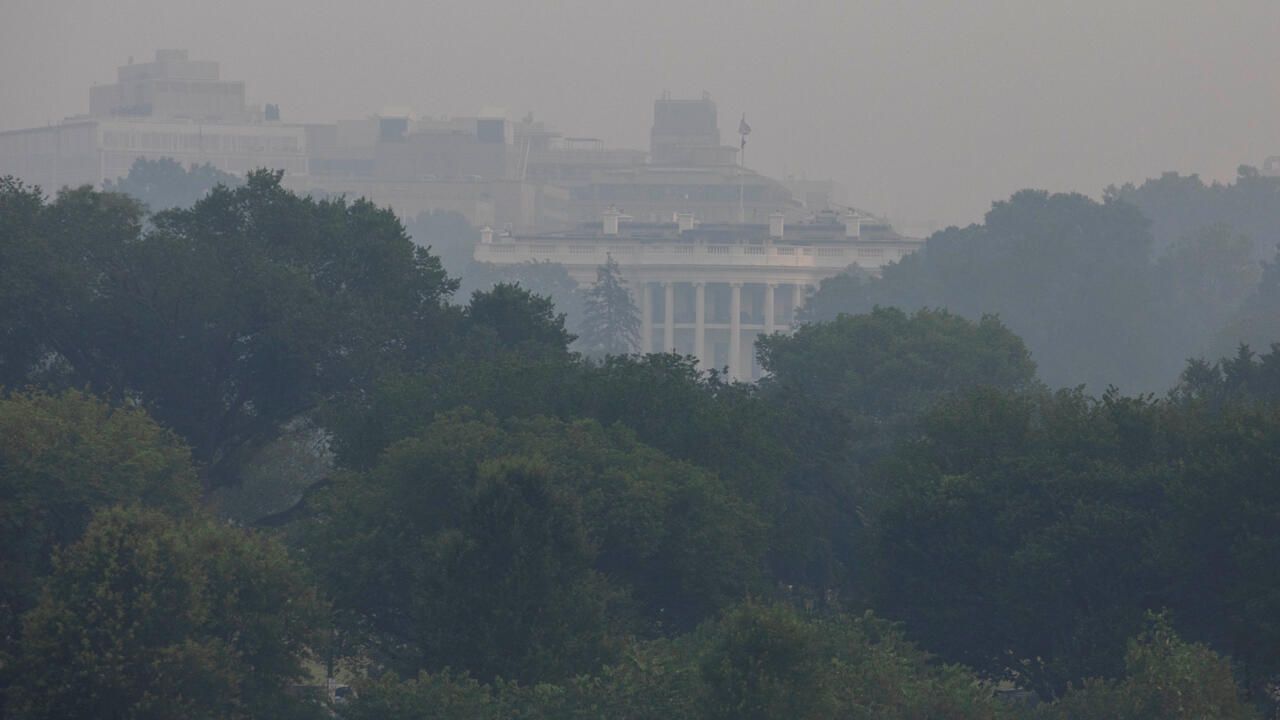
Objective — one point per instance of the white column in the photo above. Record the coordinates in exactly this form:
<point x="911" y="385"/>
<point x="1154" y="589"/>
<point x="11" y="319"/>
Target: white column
<point x="700" y="323"/>
<point x="735" y="332"/>
<point x="669" y="317"/>
<point x="768" y="309"/>
<point x="646" y="318"/>
<point x="797" y="301"/>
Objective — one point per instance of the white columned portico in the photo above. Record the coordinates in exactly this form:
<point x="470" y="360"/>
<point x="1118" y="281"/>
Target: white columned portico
<point x="646" y="318"/>
<point x="769" y="327"/>
<point x="797" y="301"/>
<point x="700" y="323"/>
<point x="735" y="331"/>
<point x="787" y="262"/>
<point x="669" y="317"/>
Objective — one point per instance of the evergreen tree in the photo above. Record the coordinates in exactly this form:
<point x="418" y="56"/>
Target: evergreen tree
<point x="611" y="323"/>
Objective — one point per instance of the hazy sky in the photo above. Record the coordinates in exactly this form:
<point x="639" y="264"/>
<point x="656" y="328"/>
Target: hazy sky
<point x="926" y="110"/>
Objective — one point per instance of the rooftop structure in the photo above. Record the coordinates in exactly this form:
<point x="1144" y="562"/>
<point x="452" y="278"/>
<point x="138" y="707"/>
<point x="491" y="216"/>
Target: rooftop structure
<point x="172" y="87"/>
<point x="686" y="133"/>
<point x="710" y="289"/>
<point x="522" y="176"/>
<point x="172" y="107"/>
<point x="474" y="166"/>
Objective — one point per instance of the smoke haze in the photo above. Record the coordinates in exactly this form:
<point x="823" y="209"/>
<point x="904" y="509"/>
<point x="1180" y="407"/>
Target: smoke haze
<point x="925" y="111"/>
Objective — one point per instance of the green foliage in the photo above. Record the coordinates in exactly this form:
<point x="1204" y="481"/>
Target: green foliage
<point x="145" y="617"/>
<point x="758" y="661"/>
<point x="557" y="527"/>
<point x="453" y="240"/>
<point x="1201" y="284"/>
<point x="449" y="237"/>
<point x="765" y="663"/>
<point x="25" y="278"/>
<point x="888" y="364"/>
<point x="163" y="184"/>
<point x="510" y="549"/>
<point x="772" y="662"/>
<point x="401" y="405"/>
<point x="519" y="318"/>
<point x="1026" y="536"/>
<point x="1244" y="379"/>
<point x="688" y="414"/>
<point x="1181" y="204"/>
<point x="663" y="398"/>
<point x="848" y="389"/>
<point x="1097" y="300"/>
<point x="61" y="458"/>
<point x="1255" y="321"/>
<point x="1165" y="677"/>
<point x="847" y="292"/>
<point x="547" y="279"/>
<point x="610" y="320"/>
<point x="440" y="696"/>
<point x="226" y="319"/>
<point x="1070" y="276"/>
<point x="56" y="260"/>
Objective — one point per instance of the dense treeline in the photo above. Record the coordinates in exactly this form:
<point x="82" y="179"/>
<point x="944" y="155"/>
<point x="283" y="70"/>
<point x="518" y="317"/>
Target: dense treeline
<point x="1180" y="205"/>
<point x="901" y="521"/>
<point x="1098" y="299"/>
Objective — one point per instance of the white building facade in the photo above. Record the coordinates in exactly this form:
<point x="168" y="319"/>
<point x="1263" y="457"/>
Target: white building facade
<point x="710" y="291"/>
<point x="173" y="108"/>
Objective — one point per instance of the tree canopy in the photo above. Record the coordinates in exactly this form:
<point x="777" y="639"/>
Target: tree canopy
<point x="163" y="184"/>
<point x="62" y="457"/>
<point x="1082" y="283"/>
<point x="224" y="319"/>
<point x="585" y="529"/>
<point x="900" y="521"/>
<point x="145" y="617"/>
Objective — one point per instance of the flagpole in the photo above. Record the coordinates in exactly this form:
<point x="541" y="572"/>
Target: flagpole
<point x="743" y="130"/>
<point x="742" y="170"/>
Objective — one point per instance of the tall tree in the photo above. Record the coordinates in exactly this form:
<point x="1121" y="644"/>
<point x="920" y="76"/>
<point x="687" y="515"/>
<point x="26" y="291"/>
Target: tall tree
<point x="1027" y="535"/>
<point x="1257" y="320"/>
<point x="847" y="390"/>
<point x="567" y="517"/>
<point x="1165" y="677"/>
<point x="61" y="458"/>
<point x="222" y="320"/>
<point x="1179" y="205"/>
<point x="518" y="318"/>
<point x="1071" y="276"/>
<point x="163" y="183"/>
<point x="58" y="257"/>
<point x="146" y="617"/>
<point x="611" y="322"/>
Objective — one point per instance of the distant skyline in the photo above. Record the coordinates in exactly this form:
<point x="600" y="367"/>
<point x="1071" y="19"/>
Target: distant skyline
<point x="925" y="111"/>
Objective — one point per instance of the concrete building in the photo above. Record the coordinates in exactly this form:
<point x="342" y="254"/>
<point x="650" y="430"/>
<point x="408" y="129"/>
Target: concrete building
<point x="686" y="133"/>
<point x="817" y="195"/>
<point x="718" y="193"/>
<point x="688" y="170"/>
<point x="89" y="151"/>
<point x="172" y="86"/>
<point x="710" y="289"/>
<point x="522" y="177"/>
<point x="172" y="107"/>
<point x="473" y="166"/>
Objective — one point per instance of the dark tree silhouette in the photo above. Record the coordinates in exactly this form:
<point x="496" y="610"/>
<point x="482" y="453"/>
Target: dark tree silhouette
<point x="611" y="323"/>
